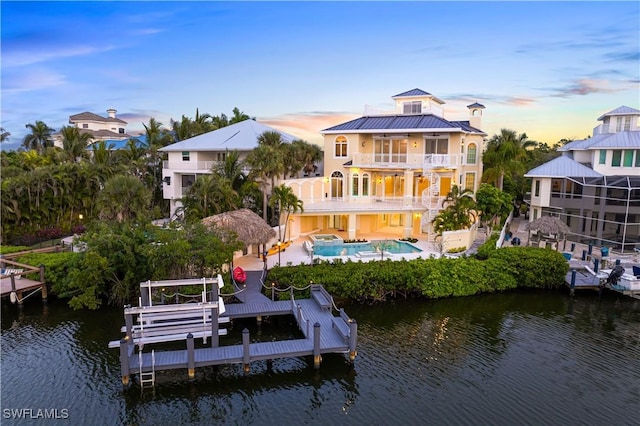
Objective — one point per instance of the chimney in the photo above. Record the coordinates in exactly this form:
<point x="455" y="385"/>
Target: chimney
<point x="112" y="113"/>
<point x="475" y="115"/>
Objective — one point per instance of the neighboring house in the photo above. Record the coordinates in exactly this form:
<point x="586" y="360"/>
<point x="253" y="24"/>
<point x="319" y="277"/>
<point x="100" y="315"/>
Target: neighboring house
<point x="594" y="187"/>
<point x="390" y="171"/>
<point x="101" y="128"/>
<point x="196" y="156"/>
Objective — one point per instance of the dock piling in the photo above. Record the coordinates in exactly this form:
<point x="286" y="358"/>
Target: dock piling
<point x="572" y="287"/>
<point x="215" y="338"/>
<point x="353" y="339"/>
<point x="317" y="358"/>
<point x="245" y="351"/>
<point x="124" y="362"/>
<point x="191" y="357"/>
<point x="43" y="290"/>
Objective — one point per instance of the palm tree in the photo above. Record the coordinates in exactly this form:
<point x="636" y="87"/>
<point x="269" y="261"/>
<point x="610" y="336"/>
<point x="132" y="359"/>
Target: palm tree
<point x="286" y="201"/>
<point x="267" y="160"/>
<point x="123" y="198"/>
<point x="156" y="137"/>
<point x="4" y="135"/>
<point x="504" y="155"/>
<point x="74" y="142"/>
<point x="182" y="129"/>
<point x="459" y="211"/>
<point x="203" y="123"/>
<point x="305" y="155"/>
<point x="39" y="138"/>
<point x="238" y="116"/>
<point x="209" y="195"/>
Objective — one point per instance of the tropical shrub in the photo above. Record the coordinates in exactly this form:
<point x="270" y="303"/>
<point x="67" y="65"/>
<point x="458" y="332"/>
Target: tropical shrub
<point x="505" y="269"/>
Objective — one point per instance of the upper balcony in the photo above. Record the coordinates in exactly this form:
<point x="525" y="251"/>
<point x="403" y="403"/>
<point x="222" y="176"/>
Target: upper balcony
<point x="412" y="161"/>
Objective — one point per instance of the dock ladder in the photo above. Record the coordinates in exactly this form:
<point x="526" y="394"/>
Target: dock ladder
<point x="147" y="378"/>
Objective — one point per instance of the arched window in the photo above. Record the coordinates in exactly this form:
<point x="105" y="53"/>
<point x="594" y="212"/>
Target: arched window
<point x="355" y="180"/>
<point x="341" y="147"/>
<point x="471" y="153"/>
<point x="336" y="184"/>
<point x="365" y="183"/>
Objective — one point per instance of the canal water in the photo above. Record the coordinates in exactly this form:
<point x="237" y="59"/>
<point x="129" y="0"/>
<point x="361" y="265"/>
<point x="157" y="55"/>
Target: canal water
<point x="518" y="358"/>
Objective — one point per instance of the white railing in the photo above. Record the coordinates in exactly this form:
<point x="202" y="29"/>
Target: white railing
<point x="432" y="161"/>
<point x="425" y="161"/>
<point x="427" y="108"/>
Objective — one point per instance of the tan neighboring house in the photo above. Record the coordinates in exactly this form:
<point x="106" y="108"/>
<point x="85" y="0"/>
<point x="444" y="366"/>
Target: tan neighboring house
<point x="109" y="128"/>
<point x="389" y="171"/>
<point x="594" y="186"/>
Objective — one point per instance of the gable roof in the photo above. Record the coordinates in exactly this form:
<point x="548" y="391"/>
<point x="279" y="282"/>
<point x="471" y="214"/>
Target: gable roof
<point x="605" y="140"/>
<point x="561" y="167"/>
<point x="89" y="116"/>
<point x="242" y="136"/>
<point x="402" y="123"/>
<point x="622" y="110"/>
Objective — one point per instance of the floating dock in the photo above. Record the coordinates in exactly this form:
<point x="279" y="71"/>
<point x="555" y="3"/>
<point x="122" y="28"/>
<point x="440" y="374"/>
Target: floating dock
<point x="150" y="324"/>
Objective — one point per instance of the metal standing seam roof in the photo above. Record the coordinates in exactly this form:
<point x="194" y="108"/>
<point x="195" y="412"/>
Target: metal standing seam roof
<point x="562" y="167"/>
<point x="401" y="122"/>
<point x="412" y="92"/>
<point x="622" y="110"/>
<point x="242" y="136"/>
<point x="605" y="140"/>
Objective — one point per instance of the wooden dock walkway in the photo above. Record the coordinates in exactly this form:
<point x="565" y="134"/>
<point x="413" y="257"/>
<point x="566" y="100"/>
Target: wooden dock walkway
<point x="323" y="333"/>
<point x="14" y="284"/>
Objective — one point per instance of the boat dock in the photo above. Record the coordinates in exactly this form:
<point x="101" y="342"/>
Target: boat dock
<point x="582" y="277"/>
<point x="150" y="324"/>
<point x="14" y="285"/>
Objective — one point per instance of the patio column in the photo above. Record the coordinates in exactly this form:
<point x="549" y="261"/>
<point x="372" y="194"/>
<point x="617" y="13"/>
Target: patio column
<point x="351" y="227"/>
<point x="407" y="199"/>
<point x="408" y="225"/>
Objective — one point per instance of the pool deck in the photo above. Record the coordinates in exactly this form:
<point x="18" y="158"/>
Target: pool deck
<point x="296" y="255"/>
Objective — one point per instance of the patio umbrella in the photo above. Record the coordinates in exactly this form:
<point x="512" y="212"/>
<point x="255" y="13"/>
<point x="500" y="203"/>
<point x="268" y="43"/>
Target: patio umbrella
<point x="248" y="226"/>
<point x="548" y="225"/>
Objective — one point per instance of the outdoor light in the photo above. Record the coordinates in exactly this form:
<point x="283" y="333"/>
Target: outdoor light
<point x="279" y="243"/>
<point x="80" y="217"/>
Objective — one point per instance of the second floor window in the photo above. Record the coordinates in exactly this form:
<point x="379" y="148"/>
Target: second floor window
<point x="628" y="158"/>
<point x="603" y="156"/>
<point x="354" y="187"/>
<point x="616" y="158"/>
<point x="471" y="153"/>
<point x="185" y="155"/>
<point x="436" y="146"/>
<point x="341" y="147"/>
<point x="537" y="190"/>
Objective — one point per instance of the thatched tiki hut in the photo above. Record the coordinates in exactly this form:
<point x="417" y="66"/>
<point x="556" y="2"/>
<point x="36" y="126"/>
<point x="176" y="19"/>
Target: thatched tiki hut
<point x="249" y="228"/>
<point x="548" y="228"/>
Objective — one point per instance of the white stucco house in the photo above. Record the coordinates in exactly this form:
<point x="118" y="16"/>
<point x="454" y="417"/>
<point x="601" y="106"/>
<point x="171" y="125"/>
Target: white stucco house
<point x="196" y="156"/>
<point x="594" y="186"/>
<point x="109" y="128"/>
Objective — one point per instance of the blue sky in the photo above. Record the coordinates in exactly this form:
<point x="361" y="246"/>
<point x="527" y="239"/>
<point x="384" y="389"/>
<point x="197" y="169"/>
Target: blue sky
<point x="548" y="69"/>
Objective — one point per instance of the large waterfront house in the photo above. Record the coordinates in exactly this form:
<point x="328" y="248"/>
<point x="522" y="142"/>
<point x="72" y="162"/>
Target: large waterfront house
<point x="196" y="156"/>
<point x="594" y="186"/>
<point x="390" y="170"/>
<point x="110" y="128"/>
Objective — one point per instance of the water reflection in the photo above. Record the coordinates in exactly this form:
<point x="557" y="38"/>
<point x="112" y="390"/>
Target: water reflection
<point x="573" y="360"/>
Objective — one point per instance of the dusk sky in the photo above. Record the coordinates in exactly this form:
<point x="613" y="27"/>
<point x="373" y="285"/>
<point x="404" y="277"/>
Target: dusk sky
<point x="548" y="69"/>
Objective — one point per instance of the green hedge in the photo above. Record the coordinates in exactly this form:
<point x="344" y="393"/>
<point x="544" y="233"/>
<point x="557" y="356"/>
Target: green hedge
<point x="56" y="267"/>
<point x="12" y="249"/>
<point x="504" y="269"/>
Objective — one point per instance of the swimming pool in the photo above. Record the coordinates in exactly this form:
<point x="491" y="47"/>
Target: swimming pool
<point x="391" y="246"/>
